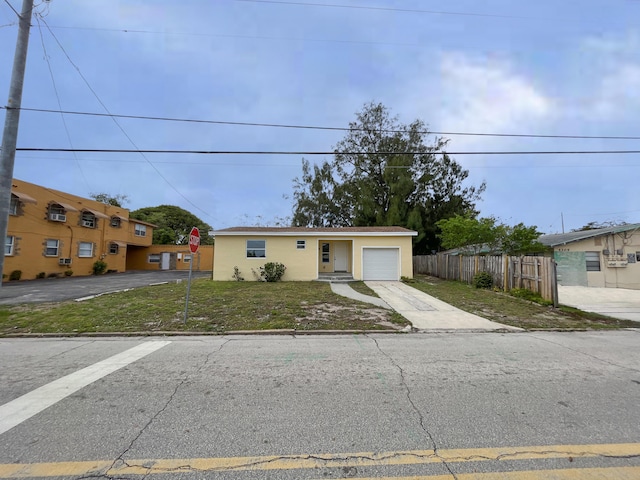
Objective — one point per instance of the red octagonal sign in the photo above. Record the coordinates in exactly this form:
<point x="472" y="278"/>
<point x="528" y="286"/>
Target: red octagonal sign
<point x="194" y="240"/>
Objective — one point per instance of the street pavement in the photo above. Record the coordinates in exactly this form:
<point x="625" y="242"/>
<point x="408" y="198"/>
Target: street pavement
<point x="613" y="302"/>
<point x="460" y="406"/>
<point x="69" y="288"/>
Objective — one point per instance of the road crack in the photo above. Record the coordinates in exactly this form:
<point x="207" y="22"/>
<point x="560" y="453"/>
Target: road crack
<point x="414" y="407"/>
<point x="120" y="458"/>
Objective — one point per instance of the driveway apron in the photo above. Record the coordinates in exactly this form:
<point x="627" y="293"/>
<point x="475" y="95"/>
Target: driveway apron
<point x="614" y="302"/>
<point x="428" y="313"/>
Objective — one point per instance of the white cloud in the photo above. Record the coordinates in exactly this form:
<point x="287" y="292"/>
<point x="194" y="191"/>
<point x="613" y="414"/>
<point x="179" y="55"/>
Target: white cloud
<point x="487" y="96"/>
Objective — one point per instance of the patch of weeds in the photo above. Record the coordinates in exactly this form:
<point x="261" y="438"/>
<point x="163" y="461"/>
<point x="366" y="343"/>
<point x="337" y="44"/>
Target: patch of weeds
<point x="530" y="296"/>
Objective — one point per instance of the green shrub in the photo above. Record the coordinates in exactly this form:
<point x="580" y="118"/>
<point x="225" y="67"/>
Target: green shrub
<point x="272" y="271"/>
<point x="41" y="275"/>
<point x="15" y="275"/>
<point x="99" y="267"/>
<point x="53" y="275"/>
<point x="483" y="280"/>
<point x="68" y="273"/>
<point x="237" y="276"/>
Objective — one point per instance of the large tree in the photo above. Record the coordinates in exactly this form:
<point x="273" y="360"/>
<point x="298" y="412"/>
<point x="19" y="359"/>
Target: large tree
<point x="174" y="224"/>
<point x="385" y="173"/>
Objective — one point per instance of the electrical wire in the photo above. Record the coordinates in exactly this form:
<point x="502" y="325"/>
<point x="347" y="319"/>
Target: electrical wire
<point x="55" y="89"/>
<point x="251" y="37"/>
<point x="137" y="150"/>
<point x="11" y="7"/>
<point x="310" y="152"/>
<point x="384" y="9"/>
<point x="318" y="127"/>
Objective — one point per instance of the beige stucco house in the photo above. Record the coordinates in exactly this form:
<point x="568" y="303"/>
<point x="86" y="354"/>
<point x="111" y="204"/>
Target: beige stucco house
<point x="605" y="257"/>
<point x="361" y="253"/>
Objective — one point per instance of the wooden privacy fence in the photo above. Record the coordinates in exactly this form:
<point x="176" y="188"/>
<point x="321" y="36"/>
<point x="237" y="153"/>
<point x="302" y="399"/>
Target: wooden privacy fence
<point x="537" y="274"/>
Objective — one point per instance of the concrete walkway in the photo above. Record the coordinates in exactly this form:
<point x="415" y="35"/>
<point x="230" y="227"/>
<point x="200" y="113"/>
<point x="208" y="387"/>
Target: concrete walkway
<point x="346" y="291"/>
<point x="428" y="313"/>
<point x="613" y="302"/>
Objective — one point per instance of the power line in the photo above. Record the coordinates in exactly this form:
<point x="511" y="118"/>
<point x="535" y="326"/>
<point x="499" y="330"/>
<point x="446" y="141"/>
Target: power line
<point x="313" y="153"/>
<point x="262" y="164"/>
<point x="11" y="7"/>
<point x="229" y="35"/>
<point x="318" y="127"/>
<point x="385" y="9"/>
<point x="55" y="89"/>
<point x="120" y="126"/>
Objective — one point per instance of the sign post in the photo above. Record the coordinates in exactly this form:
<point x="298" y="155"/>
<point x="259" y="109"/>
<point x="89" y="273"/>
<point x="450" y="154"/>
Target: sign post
<point x="194" y="244"/>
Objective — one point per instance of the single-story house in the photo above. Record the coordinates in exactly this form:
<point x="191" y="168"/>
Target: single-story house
<point x="604" y="257"/>
<point x="361" y="253"/>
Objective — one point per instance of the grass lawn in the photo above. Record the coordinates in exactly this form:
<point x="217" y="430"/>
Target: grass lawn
<point x="502" y="307"/>
<point x="213" y="307"/>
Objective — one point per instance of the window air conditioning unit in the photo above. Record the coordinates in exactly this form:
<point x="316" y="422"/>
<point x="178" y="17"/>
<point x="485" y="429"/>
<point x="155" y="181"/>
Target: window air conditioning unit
<point x="58" y="217"/>
<point x="64" y="261"/>
<point x="87" y="223"/>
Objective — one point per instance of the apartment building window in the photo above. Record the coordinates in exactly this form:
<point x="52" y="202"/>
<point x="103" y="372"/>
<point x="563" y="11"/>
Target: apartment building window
<point x="186" y="258"/>
<point x="114" y="248"/>
<point x="140" y="230"/>
<point x="9" y="244"/>
<point x="51" y="248"/>
<point x="115" y="222"/>
<point x="13" y="208"/>
<point x="85" y="249"/>
<point x="153" y="258"/>
<point x="88" y="220"/>
<point x="57" y="213"/>
<point x="593" y="261"/>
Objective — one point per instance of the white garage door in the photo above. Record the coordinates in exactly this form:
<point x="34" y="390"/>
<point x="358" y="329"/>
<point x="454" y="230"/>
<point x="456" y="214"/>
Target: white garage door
<point x="380" y="264"/>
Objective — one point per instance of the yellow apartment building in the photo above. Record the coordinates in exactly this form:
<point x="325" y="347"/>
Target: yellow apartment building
<point x="52" y="232"/>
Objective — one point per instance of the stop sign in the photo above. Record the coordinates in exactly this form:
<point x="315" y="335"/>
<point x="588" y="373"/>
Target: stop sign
<point x="194" y="240"/>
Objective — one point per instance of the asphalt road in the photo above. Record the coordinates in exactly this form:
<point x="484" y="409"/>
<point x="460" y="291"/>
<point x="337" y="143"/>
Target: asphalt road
<point x="60" y="289"/>
<point x="428" y="406"/>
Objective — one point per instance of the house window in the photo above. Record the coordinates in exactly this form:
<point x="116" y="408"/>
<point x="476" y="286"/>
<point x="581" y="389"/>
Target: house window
<point x="153" y="258"/>
<point x="9" y="243"/>
<point x="325" y="253"/>
<point x="115" y="222"/>
<point x="51" y="248"/>
<point x="140" y="230"/>
<point x="593" y="261"/>
<point x="57" y="213"/>
<point x="114" y="248"/>
<point x="85" y="249"/>
<point x="301" y="244"/>
<point x="88" y="220"/>
<point x="256" y="248"/>
<point x="13" y="208"/>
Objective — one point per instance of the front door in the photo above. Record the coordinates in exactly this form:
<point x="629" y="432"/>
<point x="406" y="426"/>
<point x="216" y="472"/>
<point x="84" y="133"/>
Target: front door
<point x="340" y="257"/>
<point x="165" y="258"/>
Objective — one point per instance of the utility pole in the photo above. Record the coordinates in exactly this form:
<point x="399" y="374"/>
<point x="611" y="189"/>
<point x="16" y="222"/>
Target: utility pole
<point x="11" y="120"/>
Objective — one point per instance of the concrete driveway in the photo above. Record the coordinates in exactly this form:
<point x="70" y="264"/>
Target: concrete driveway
<point x="614" y="302"/>
<point x="428" y="313"/>
<point x="60" y="289"/>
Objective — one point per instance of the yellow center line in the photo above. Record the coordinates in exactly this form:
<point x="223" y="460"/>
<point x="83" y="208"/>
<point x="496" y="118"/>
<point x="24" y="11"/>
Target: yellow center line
<point x="613" y="473"/>
<point x="290" y="462"/>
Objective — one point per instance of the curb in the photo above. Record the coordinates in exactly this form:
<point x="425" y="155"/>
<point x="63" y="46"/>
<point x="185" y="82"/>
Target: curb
<point x="198" y="334"/>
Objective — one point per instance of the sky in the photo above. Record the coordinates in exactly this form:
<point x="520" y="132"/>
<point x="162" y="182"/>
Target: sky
<point x="550" y="67"/>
